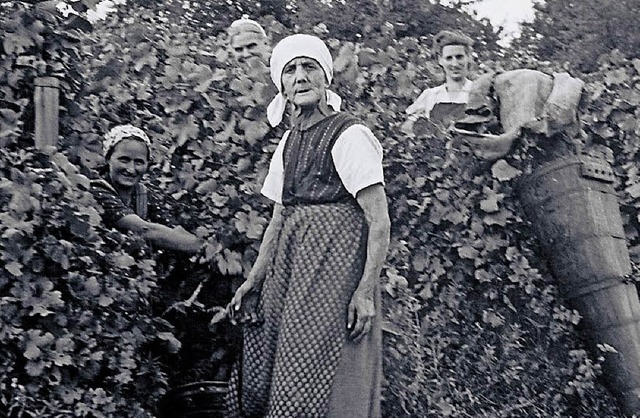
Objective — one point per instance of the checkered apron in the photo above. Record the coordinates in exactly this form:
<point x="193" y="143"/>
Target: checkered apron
<point x="290" y="359"/>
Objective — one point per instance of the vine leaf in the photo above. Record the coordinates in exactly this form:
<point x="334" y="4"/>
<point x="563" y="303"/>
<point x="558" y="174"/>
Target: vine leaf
<point x="14" y="267"/>
<point x="17" y="43"/>
<point x="229" y="262"/>
<point x="92" y="286"/>
<point x="105" y="300"/>
<point x="490" y="203"/>
<point x="124" y="261"/>
<point x="446" y="409"/>
<point x="173" y="343"/>
<point x="61" y="356"/>
<point x="250" y="224"/>
<point x="491" y="318"/>
<point x="617" y="76"/>
<point x="502" y="171"/>
<point x="468" y="252"/>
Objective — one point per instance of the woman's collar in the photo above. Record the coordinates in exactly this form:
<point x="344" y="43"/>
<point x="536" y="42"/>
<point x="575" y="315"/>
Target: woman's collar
<point x="306" y="120"/>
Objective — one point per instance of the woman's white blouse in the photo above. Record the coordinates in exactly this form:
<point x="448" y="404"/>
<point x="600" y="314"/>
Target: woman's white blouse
<point x="357" y="156"/>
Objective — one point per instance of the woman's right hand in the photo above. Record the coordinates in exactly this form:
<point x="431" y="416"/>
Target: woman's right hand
<point x="244" y="303"/>
<point x="236" y="301"/>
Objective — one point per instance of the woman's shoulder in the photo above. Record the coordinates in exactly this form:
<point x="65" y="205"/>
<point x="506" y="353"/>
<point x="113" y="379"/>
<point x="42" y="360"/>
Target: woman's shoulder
<point x="99" y="180"/>
<point x="347" y="116"/>
<point x="103" y="191"/>
<point x="346" y="120"/>
<point x="113" y="208"/>
<point x="359" y="135"/>
<point x="352" y="123"/>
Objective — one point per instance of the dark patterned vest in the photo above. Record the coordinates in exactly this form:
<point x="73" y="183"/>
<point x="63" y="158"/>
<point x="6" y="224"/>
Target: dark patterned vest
<point x="310" y="176"/>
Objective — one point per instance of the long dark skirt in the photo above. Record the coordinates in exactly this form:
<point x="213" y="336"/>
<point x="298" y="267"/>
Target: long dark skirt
<point x="299" y="362"/>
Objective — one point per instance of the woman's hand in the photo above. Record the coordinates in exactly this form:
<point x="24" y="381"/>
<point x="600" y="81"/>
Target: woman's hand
<point x="244" y="303"/>
<point x="361" y="313"/>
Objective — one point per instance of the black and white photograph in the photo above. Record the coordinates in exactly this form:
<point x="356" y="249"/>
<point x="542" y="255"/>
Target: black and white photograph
<point x="320" y="209"/>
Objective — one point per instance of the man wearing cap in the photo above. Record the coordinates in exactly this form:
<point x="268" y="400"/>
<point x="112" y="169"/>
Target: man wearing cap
<point x="445" y="103"/>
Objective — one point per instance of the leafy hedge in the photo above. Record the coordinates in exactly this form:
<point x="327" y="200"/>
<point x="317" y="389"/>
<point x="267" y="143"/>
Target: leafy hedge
<point x="474" y="325"/>
<point x="78" y="337"/>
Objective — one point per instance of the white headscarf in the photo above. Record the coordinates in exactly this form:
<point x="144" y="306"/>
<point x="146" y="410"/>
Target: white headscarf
<point x="245" y="24"/>
<point x="296" y="46"/>
<point x="118" y="133"/>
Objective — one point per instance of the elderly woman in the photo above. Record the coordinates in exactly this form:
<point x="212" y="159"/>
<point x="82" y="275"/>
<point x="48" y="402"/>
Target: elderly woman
<point x="126" y="203"/>
<point x="247" y="39"/>
<point x="316" y="350"/>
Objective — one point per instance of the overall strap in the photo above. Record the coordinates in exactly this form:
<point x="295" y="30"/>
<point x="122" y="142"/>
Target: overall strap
<point x="142" y="200"/>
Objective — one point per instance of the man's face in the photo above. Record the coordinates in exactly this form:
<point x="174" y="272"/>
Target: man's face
<point x="455" y="60"/>
<point x="245" y="45"/>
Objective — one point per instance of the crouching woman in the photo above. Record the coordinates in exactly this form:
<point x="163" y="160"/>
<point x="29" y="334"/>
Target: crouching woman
<point x="127" y="204"/>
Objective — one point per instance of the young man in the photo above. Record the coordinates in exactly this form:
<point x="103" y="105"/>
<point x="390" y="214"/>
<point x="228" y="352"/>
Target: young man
<point x="445" y="103"/>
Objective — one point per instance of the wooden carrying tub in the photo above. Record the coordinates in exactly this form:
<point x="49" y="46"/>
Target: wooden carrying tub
<point x="575" y="214"/>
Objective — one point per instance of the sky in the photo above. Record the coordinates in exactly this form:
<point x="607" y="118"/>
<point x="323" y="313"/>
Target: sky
<point x="507" y="13"/>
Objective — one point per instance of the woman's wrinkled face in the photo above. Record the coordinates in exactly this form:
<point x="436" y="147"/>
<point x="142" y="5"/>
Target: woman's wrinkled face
<point x="303" y="82"/>
<point x="128" y="162"/>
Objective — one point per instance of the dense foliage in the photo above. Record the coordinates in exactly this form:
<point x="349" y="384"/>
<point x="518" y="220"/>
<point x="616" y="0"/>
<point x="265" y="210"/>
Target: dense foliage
<point x="78" y="336"/>
<point x="579" y="32"/>
<point x="474" y="325"/>
<point x="354" y="21"/>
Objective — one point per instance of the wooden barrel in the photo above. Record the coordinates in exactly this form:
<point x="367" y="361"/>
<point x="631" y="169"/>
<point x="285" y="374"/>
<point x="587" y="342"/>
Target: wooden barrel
<point x="575" y="214"/>
<point x="205" y="399"/>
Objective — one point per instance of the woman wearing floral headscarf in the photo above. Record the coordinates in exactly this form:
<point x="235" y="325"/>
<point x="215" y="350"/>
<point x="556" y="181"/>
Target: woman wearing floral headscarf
<point x="126" y="203"/>
<point x="316" y="350"/>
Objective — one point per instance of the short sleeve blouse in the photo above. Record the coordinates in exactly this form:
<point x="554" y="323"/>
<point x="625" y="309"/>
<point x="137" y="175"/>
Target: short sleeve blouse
<point x="357" y="157"/>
